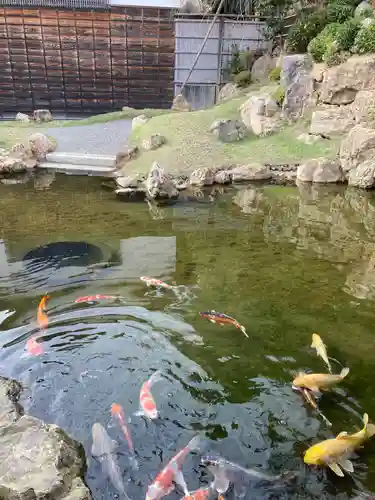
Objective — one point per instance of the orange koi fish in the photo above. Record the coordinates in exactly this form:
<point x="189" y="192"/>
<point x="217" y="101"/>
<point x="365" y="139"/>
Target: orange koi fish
<point x="94" y="298"/>
<point x="223" y="319"/>
<point x="201" y="494"/>
<point x="33" y="348"/>
<point x="155" y="282"/>
<point x="118" y="413"/>
<point x="164" y="482"/>
<point x="41" y="315"/>
<point x="146" y="401"/>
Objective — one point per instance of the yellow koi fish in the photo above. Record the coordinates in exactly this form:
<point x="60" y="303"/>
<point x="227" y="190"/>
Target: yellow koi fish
<point x="318" y="381"/>
<point x="334" y="452"/>
<point x="321" y="349"/>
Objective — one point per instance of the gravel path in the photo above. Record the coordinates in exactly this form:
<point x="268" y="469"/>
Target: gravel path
<point x="100" y="138"/>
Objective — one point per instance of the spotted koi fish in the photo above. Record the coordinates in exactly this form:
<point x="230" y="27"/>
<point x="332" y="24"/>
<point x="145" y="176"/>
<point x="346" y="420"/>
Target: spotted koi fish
<point x="223" y="319"/>
<point x="94" y="298"/>
<point x="146" y="401"/>
<point x="118" y="413"/>
<point x="155" y="282"/>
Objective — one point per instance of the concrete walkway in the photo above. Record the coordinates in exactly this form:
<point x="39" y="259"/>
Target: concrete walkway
<point x="100" y="138"/>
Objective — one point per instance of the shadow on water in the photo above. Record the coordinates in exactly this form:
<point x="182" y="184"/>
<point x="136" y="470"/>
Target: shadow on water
<point x="285" y="262"/>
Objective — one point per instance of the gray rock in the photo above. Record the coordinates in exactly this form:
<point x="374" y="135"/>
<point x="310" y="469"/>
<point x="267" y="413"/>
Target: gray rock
<point x="155" y="141"/>
<point x="308" y="138"/>
<point x="160" y="186"/>
<point x="180" y="103"/>
<point x="262" y="67"/>
<point x="357" y="147"/>
<point x="320" y="170"/>
<point x="271" y="108"/>
<point x="341" y="83"/>
<point x="42" y="115"/>
<point x="139" y="120"/>
<point x="202" y="177"/>
<point x="229" y="91"/>
<point x="250" y="172"/>
<point x="37" y="460"/>
<point x="331" y="121"/>
<point x="228" y="130"/>
<point x="363" y="107"/>
<point x="130" y="181"/>
<point x="248" y="199"/>
<point x="131" y="194"/>
<point x="21" y="117"/>
<point x="40" y="145"/>
<point x="253" y="115"/>
<point x="363" y="176"/>
<point x="10" y="165"/>
<point x="223" y="177"/>
<point x="298" y="83"/>
<point x="123" y="157"/>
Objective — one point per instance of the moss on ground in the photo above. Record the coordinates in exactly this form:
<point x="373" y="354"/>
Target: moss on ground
<point x="190" y="144"/>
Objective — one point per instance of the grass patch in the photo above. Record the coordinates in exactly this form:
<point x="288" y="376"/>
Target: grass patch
<point x="190" y="144"/>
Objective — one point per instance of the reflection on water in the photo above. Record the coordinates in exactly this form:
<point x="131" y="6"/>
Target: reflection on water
<point x="285" y="262"/>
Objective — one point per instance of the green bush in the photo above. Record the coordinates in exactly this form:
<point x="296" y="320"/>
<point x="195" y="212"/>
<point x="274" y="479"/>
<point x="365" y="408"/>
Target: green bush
<point x="304" y="30"/>
<point x="323" y="42"/>
<point x="274" y="74"/>
<point x="279" y="95"/>
<point x="365" y="40"/>
<point x="339" y="11"/>
<point x="242" y="79"/>
<point x="347" y="33"/>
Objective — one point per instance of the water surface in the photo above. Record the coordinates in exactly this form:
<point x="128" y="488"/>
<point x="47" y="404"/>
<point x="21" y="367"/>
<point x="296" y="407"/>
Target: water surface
<point x="285" y="262"/>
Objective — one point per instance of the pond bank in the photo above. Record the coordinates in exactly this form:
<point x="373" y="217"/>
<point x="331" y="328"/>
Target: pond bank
<point x="37" y="460"/>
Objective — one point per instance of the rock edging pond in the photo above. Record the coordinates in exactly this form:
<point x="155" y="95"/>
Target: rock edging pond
<point x="37" y="460"/>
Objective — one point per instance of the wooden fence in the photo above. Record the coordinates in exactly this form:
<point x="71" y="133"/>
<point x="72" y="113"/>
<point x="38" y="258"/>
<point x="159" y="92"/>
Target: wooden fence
<point x="85" y="61"/>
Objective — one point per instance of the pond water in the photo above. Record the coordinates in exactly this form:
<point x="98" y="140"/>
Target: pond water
<point x="285" y="262"/>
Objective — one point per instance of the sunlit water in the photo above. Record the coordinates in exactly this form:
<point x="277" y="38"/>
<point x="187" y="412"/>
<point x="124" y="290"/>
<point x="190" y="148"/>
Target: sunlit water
<point x="285" y="262"/>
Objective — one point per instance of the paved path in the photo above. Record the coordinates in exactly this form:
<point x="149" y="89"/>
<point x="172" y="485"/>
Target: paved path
<point x="100" y="138"/>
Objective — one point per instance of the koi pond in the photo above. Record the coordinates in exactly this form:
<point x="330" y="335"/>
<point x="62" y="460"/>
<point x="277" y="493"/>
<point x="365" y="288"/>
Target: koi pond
<point x="284" y="262"/>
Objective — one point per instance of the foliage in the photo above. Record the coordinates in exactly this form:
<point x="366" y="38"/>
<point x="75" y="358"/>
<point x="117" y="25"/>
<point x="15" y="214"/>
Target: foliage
<point x="274" y="11"/>
<point x="243" y="79"/>
<point x="334" y="58"/>
<point x="304" y="30"/>
<point x="240" y="61"/>
<point x="365" y="40"/>
<point x="338" y="11"/>
<point x="279" y="95"/>
<point x="323" y="42"/>
<point x="347" y="33"/>
<point x="274" y="75"/>
<point x="364" y="11"/>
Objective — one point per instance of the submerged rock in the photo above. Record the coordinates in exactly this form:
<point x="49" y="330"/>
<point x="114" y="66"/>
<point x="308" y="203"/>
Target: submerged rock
<point x="131" y="194"/>
<point x="37" y="460"/>
<point x="159" y="185"/>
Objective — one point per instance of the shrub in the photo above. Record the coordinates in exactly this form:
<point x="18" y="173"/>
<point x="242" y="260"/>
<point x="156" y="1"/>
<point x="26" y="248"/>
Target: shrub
<point x="275" y="74"/>
<point x="339" y="11"/>
<point x="304" y="30"/>
<point x="323" y="42"/>
<point x="347" y="33"/>
<point x="333" y="58"/>
<point x="279" y="95"/>
<point x="242" y="79"/>
<point x="365" y="40"/>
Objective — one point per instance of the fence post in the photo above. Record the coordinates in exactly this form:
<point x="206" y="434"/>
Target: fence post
<point x="219" y="57"/>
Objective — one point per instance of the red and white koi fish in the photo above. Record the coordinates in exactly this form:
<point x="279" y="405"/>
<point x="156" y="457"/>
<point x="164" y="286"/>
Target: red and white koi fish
<point x="118" y="413"/>
<point x="164" y="482"/>
<point x="33" y="348"/>
<point x="146" y="401"/>
<point x="223" y="319"/>
<point x="155" y="282"/>
<point x="201" y="494"/>
<point x="95" y="298"/>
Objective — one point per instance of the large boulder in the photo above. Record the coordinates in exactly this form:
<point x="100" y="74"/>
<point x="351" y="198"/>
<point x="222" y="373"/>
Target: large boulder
<point x="320" y="170"/>
<point x="130" y="181"/>
<point x="357" y="147"/>
<point x="202" y="177"/>
<point x="259" y="115"/>
<point x="139" y="120"/>
<point x="363" y="176"/>
<point x="363" y="106"/>
<point x="251" y="172"/>
<point x="262" y="67"/>
<point x="180" y="103"/>
<point x="229" y="91"/>
<point x="331" y="121"/>
<point x="298" y="83"/>
<point x="159" y="185"/>
<point x="155" y="141"/>
<point x="37" y="460"/>
<point x="10" y="165"/>
<point x="341" y="83"/>
<point x="40" y="145"/>
<point x="228" y="130"/>
<point x="42" y="115"/>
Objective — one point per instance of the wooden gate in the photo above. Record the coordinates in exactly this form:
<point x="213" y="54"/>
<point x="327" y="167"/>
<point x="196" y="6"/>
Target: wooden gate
<point x="85" y="61"/>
